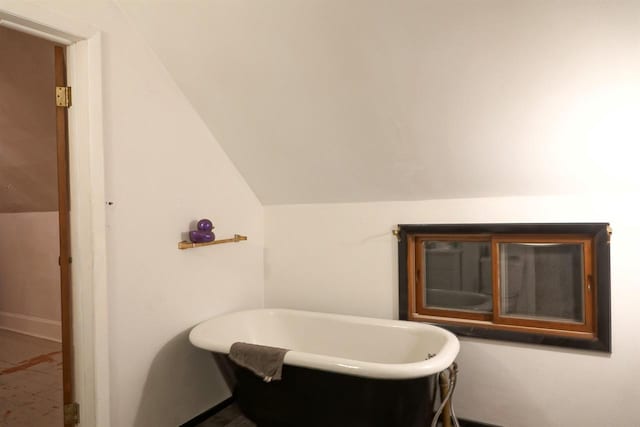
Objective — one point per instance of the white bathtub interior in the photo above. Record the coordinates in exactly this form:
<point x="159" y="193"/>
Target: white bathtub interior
<point x="348" y="344"/>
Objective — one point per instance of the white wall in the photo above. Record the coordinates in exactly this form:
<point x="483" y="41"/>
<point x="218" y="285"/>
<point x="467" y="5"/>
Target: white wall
<point x="343" y="258"/>
<point x="164" y="169"/>
<point x="29" y="273"/>
<point x="408" y="99"/>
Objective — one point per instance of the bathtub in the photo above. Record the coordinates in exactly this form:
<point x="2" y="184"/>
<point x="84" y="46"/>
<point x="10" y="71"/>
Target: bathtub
<point x="340" y="370"/>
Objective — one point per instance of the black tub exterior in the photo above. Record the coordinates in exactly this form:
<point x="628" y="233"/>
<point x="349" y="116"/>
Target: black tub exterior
<point x="314" y="398"/>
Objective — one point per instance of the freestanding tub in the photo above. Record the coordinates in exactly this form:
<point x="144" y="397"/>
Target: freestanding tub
<point x="340" y="370"/>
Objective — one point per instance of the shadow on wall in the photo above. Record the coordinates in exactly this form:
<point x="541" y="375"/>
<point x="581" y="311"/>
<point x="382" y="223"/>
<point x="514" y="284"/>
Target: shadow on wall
<point x="179" y="369"/>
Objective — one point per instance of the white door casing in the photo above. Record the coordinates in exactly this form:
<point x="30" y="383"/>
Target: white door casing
<point x="88" y="223"/>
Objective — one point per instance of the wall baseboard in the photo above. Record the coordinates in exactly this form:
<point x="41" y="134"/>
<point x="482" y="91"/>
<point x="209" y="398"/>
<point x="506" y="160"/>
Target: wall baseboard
<point x="31" y="325"/>
<point x="220" y="406"/>
<point x="471" y="423"/>
<point x="208" y="413"/>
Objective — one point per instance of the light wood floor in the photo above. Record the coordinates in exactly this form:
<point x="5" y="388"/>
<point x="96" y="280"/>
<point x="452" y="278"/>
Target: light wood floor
<point x="30" y="381"/>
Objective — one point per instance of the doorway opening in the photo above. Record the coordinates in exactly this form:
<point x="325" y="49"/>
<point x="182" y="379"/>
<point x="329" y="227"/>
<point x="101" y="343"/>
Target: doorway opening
<point x="35" y="299"/>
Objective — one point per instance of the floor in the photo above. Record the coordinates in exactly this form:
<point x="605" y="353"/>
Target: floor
<point x="228" y="417"/>
<point x="232" y="417"/>
<point x="30" y="381"/>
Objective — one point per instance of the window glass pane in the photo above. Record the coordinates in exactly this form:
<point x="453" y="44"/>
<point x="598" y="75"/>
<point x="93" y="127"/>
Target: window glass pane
<point x="542" y="281"/>
<point x="457" y="275"/>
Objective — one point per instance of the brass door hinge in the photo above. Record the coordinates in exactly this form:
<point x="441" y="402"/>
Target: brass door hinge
<point x="60" y="264"/>
<point x="63" y="96"/>
<point x="71" y="413"/>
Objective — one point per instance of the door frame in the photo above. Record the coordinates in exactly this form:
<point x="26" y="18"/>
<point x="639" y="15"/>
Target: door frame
<point x="88" y="221"/>
<point x="64" y="260"/>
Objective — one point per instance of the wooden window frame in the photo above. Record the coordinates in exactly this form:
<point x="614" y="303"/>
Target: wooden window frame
<point x="594" y="333"/>
<point x="587" y="326"/>
<point x="419" y="276"/>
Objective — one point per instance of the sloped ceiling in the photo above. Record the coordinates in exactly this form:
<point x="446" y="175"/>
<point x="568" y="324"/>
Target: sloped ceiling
<point x="369" y="100"/>
<point x="28" y="165"/>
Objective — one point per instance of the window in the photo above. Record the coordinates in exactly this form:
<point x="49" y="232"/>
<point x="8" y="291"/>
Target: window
<point x="537" y="283"/>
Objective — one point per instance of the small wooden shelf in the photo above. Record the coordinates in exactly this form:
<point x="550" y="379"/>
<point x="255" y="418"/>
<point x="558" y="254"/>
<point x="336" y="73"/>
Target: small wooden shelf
<point x="188" y="245"/>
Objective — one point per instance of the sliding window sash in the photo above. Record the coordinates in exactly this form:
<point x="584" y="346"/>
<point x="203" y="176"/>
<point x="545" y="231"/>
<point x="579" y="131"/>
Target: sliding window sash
<point x="588" y="285"/>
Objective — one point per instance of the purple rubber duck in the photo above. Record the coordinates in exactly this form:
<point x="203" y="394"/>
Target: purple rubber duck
<point x="204" y="233"/>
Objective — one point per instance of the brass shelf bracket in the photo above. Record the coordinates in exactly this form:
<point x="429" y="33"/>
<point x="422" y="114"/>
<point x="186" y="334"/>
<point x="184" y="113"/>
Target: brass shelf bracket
<point x="189" y="245"/>
<point x="396" y="232"/>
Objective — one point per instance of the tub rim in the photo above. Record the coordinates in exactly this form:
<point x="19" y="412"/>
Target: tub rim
<point x="442" y="360"/>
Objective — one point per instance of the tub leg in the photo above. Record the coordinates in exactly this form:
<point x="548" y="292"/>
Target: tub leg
<point x="448" y="380"/>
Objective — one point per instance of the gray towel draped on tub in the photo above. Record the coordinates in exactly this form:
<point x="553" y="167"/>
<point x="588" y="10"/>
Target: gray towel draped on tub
<point x="266" y="362"/>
